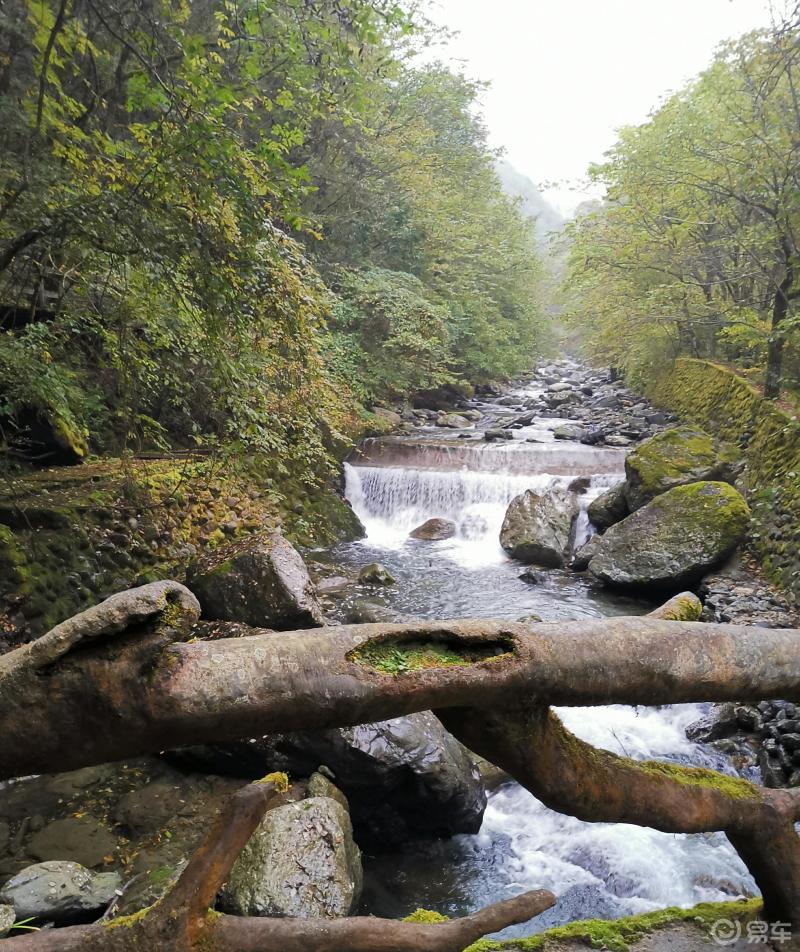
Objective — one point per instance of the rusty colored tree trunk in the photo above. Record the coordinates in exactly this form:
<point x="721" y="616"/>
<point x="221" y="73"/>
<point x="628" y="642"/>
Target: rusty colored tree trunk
<point x="123" y="679"/>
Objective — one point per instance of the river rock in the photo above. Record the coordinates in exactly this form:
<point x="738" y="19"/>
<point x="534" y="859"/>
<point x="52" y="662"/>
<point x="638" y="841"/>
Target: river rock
<point x="538" y="529"/>
<point x="567" y="431"/>
<point x="261" y="582"/>
<point x="375" y="574"/>
<point x="453" y="421"/>
<point x="404" y="778"/>
<point x="609" y="508"/>
<point x="585" y="554"/>
<point x="83" y="840"/>
<point x="7" y="919"/>
<point x="392" y="417"/>
<point x="674" y="457"/>
<point x="673" y="540"/>
<point x="496" y="435"/>
<point x="301" y="861"/>
<point x="434" y="529"/>
<point x="60" y="892"/>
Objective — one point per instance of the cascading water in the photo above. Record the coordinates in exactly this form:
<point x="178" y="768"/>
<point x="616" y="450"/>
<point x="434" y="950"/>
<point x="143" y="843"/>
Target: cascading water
<point x="605" y="870"/>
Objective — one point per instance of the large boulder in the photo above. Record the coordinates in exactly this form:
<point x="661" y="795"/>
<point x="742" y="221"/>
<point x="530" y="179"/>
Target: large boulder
<point x="404" y="778"/>
<point x="301" y="861"/>
<point x="608" y="508"/>
<point x="674" y="457"/>
<point x="539" y="529"/>
<point x="60" y="892"/>
<point x="434" y="529"/>
<point x="673" y="540"/>
<point x="261" y="582"/>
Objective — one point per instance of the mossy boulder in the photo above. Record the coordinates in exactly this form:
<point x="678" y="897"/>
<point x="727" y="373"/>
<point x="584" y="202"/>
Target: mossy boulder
<point x="538" y="529"/>
<point x="262" y="582"/>
<point x="673" y="540"/>
<point x="674" y="457"/>
<point x="301" y="861"/>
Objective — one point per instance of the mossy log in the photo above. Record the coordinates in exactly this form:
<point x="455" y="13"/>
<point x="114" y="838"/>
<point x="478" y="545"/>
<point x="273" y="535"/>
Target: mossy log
<point x="89" y="693"/>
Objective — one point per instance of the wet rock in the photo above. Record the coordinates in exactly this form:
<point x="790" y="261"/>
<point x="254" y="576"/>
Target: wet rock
<point x="151" y="885"/>
<point x="434" y="530"/>
<point x="593" y="438"/>
<point x="567" y="432"/>
<point x="375" y="574"/>
<point x="672" y="458"/>
<point x="673" y="540"/>
<point x="497" y="435"/>
<point x="616" y="439"/>
<point x="453" y="421"/>
<point x="404" y="778"/>
<point x="261" y="582"/>
<point x="721" y="722"/>
<point x="60" y="892"/>
<point x="585" y="554"/>
<point x="301" y="861"/>
<point x="532" y="577"/>
<point x="333" y="585"/>
<point x="390" y="416"/>
<point x="609" y="508"/>
<point x="579" y="485"/>
<point x="83" y="840"/>
<point x="538" y="529"/>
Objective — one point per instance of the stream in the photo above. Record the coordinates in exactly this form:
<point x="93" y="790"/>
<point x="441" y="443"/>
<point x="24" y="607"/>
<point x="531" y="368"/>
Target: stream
<point x="597" y="870"/>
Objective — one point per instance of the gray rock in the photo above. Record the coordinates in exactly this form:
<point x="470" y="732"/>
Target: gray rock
<point x="585" y="554"/>
<point x="404" y="778"/>
<point x="7" y="919"/>
<point x="333" y="584"/>
<point x="496" y="435"/>
<point x="453" y="421"/>
<point x="538" y="529"/>
<point x="83" y="840"/>
<point x="568" y="432"/>
<point x="262" y="582"/>
<point x="609" y="508"/>
<point x="390" y="416"/>
<point x="434" y="530"/>
<point x="673" y="540"/>
<point x="616" y="439"/>
<point x="375" y="574"/>
<point x="301" y="861"/>
<point x="60" y="892"/>
<point x="321" y="786"/>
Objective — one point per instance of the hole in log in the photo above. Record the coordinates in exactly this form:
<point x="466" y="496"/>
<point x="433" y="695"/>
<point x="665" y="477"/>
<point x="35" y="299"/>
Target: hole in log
<point x="396" y="655"/>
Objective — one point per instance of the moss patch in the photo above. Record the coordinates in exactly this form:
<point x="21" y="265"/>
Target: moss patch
<point x="426" y="915"/>
<point x="396" y="657"/>
<point x="618" y="935"/>
<point x="734" y="787"/>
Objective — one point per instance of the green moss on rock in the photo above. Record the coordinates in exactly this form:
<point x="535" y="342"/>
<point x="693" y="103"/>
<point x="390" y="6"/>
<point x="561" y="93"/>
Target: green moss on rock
<point x="426" y="915"/>
<point x="618" y="935"/>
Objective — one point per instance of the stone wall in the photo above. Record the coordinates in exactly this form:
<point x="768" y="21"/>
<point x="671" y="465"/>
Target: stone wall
<point x="724" y="404"/>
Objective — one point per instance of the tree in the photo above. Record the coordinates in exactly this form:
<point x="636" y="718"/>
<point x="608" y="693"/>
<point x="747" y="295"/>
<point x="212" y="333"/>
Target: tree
<point x="126" y="677"/>
<point x="696" y="245"/>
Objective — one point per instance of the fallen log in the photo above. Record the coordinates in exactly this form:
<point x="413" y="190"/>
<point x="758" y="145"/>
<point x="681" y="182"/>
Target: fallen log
<point x="86" y="694"/>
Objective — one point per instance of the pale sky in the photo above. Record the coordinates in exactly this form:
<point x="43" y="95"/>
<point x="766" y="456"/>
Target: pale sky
<point x="565" y="74"/>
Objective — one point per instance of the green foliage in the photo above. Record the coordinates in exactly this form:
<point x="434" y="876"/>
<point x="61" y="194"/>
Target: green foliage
<point x="694" y="250"/>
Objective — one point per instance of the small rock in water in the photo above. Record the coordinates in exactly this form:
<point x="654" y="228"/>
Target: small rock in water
<point x="375" y="574"/>
<point x="434" y="530"/>
<point x="495" y="435"/>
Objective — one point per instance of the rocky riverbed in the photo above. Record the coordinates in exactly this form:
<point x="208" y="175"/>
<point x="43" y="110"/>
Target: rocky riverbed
<point x="435" y="497"/>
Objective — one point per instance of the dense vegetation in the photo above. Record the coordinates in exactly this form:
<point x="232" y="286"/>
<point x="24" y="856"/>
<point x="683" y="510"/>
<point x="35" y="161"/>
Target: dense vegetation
<point x="695" y="249"/>
<point x="228" y="222"/>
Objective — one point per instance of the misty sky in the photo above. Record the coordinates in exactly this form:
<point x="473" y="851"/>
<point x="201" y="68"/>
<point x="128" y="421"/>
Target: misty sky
<point x="566" y="73"/>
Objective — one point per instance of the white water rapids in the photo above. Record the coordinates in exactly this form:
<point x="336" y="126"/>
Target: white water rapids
<point x="607" y="870"/>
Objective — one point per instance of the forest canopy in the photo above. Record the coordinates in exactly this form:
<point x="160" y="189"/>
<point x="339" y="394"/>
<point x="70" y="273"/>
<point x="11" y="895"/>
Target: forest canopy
<point x="695" y="248"/>
<point x="226" y="222"/>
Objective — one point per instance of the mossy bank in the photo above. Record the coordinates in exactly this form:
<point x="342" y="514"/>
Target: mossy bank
<point x="724" y="404"/>
<point x="71" y="536"/>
